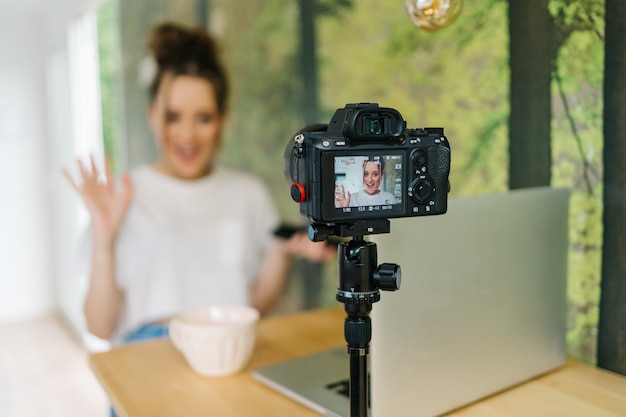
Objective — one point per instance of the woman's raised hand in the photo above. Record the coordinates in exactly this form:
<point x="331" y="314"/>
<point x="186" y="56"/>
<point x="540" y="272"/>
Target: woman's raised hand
<point x="106" y="204"/>
<point x="341" y="198"/>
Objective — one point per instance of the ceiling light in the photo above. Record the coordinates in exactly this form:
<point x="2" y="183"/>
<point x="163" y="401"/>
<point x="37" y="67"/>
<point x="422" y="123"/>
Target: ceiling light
<point x="432" y="15"/>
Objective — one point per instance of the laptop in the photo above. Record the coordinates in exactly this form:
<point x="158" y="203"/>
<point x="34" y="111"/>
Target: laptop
<point x="481" y="308"/>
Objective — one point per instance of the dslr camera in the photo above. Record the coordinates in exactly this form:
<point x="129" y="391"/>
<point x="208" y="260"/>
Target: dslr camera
<point x="365" y="165"/>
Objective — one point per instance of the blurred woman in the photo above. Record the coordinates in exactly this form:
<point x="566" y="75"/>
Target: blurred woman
<point x="183" y="231"/>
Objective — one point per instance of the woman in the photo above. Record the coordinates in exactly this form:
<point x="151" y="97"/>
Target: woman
<point x="181" y="232"/>
<point x="371" y="195"/>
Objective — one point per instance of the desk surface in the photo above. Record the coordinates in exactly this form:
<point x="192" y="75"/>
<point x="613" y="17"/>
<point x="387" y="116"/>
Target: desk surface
<point x="151" y="379"/>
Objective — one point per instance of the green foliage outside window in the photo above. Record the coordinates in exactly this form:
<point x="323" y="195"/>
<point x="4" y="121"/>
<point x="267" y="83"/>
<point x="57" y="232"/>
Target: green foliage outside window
<point x="110" y="64"/>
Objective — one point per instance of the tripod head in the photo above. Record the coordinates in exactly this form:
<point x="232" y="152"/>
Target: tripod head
<point x="360" y="276"/>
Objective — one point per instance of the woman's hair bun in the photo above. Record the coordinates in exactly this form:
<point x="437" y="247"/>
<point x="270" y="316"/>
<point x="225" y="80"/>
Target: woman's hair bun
<point x="173" y="45"/>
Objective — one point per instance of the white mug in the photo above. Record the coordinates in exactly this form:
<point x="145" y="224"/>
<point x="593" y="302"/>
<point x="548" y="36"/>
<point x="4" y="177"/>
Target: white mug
<point x="215" y="340"/>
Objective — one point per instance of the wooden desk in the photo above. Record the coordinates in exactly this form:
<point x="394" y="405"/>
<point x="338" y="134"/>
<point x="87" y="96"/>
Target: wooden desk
<point x="151" y="379"/>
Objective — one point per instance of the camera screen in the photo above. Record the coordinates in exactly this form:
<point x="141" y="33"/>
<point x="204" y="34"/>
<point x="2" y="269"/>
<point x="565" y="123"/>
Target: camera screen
<point x="368" y="183"/>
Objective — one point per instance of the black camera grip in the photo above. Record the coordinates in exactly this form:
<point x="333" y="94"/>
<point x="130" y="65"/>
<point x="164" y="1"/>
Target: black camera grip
<point x="439" y="169"/>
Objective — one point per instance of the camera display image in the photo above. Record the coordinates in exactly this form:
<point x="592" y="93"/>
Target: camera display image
<point x="366" y="165"/>
<point x="368" y="181"/>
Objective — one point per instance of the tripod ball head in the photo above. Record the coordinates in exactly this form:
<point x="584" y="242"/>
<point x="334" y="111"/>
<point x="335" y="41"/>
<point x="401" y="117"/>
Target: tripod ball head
<point x="360" y="276"/>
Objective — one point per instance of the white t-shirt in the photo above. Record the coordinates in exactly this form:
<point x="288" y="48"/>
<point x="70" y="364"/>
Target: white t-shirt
<point x="185" y="244"/>
<point x="362" y="198"/>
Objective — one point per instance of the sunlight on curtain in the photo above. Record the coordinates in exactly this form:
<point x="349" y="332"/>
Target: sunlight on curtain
<point x="85" y="103"/>
<point x="85" y="88"/>
<point x="86" y="111"/>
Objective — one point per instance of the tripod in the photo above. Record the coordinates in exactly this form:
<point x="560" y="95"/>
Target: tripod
<point x="360" y="280"/>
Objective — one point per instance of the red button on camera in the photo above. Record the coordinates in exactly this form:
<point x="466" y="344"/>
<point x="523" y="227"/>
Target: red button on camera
<point x="297" y="192"/>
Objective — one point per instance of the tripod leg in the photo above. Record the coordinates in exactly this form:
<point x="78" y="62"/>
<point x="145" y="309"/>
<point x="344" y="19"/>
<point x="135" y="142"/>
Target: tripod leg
<point x="358" y="332"/>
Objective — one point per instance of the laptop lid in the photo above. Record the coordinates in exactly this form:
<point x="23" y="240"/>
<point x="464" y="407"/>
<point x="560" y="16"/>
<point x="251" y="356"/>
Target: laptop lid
<point x="482" y="307"/>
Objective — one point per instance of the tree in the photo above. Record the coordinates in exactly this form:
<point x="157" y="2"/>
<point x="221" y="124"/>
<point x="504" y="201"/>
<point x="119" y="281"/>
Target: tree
<point x="612" y="322"/>
<point x="537" y="29"/>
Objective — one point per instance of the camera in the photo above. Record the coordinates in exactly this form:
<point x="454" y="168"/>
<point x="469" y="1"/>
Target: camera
<point x="366" y="165"/>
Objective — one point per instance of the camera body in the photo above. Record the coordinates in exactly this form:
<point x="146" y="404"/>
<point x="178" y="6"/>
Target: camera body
<point x="366" y="165"/>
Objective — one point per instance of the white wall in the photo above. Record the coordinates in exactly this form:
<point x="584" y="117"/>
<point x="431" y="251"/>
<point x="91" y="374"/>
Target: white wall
<point x="26" y="276"/>
<point x="38" y="210"/>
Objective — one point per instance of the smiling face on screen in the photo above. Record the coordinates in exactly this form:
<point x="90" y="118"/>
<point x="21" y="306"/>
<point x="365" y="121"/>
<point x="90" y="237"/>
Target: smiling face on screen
<point x="372" y="177"/>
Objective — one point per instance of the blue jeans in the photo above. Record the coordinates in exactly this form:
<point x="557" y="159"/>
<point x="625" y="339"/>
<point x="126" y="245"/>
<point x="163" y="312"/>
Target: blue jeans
<point x="145" y="332"/>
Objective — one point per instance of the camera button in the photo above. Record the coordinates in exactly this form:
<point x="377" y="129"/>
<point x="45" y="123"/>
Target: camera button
<point x="297" y="192"/>
<point x="326" y="143"/>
